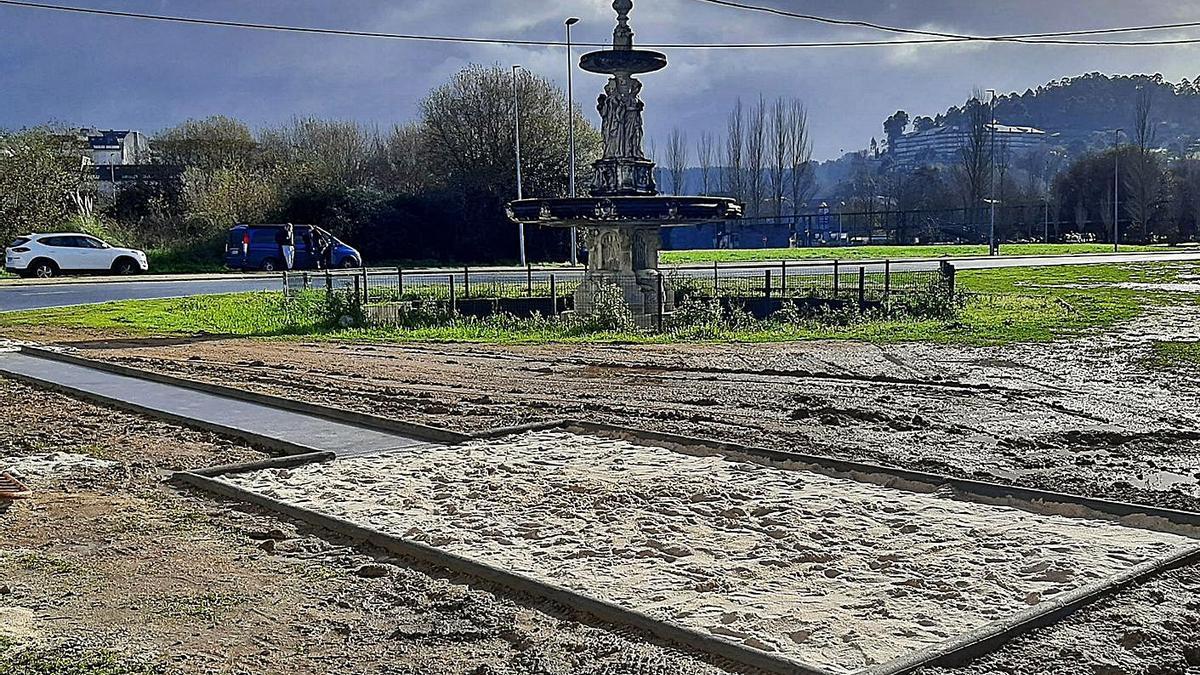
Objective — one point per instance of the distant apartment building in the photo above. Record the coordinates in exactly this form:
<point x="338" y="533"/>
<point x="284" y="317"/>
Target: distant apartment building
<point x="943" y="145"/>
<point x="116" y="148"/>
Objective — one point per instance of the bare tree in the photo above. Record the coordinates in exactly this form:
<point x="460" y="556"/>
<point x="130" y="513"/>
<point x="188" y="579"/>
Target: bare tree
<point x="756" y="156"/>
<point x="677" y="159"/>
<point x="779" y="151"/>
<point x="705" y="155"/>
<point x="975" y="154"/>
<point x="801" y="179"/>
<point x="1144" y="169"/>
<point x="734" y="176"/>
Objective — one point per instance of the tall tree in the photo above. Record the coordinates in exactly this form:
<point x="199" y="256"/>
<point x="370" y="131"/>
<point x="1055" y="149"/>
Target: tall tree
<point x="975" y="154"/>
<point x="779" y="135"/>
<point x="756" y="157"/>
<point x="1145" y="174"/>
<point x="677" y="159"/>
<point x="801" y="178"/>
<point x="705" y="156"/>
<point x="735" y="159"/>
<point x="894" y="127"/>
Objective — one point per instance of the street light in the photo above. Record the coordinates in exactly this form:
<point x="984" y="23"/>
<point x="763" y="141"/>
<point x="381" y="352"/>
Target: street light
<point x="571" y="133"/>
<point x="993" y="249"/>
<point x="1116" y="189"/>
<point x="517" y="134"/>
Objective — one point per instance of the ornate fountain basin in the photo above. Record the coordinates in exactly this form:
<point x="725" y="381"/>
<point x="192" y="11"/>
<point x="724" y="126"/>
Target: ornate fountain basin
<point x="630" y="62"/>
<point x="662" y="210"/>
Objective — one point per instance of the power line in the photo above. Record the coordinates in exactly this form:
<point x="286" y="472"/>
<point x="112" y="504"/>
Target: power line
<point x="1032" y="38"/>
<point x="553" y="43"/>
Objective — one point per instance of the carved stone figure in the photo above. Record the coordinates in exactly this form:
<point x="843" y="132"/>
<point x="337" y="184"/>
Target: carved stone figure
<point x="620" y="111"/>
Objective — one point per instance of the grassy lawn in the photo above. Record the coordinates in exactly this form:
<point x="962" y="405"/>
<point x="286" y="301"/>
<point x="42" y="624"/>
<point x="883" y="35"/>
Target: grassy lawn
<point x="1176" y="355"/>
<point x="1002" y="306"/>
<point x="884" y="252"/>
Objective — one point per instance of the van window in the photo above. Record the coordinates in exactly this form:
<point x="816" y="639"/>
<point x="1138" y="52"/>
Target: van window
<point x="235" y="238"/>
<point x="263" y="235"/>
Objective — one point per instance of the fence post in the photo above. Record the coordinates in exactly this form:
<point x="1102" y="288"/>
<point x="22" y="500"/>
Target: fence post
<point x="948" y="272"/>
<point x="466" y="282"/>
<point x="553" y="295"/>
<point x="837" y="280"/>
<point x="887" y="286"/>
<point x="453" y="297"/>
<point x="862" y="288"/>
<point x="716" y="280"/>
<point x="662" y="301"/>
<point x="357" y="291"/>
<point x="529" y="280"/>
<point x="767" y="283"/>
<point x="783" y="277"/>
<point x="286" y="290"/>
<point x="399" y="282"/>
<point x="366" y="286"/>
<point x="328" y="283"/>
<point x="307" y="284"/>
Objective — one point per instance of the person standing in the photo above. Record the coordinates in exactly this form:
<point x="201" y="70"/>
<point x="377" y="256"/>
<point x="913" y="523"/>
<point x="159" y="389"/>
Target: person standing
<point x="286" y="238"/>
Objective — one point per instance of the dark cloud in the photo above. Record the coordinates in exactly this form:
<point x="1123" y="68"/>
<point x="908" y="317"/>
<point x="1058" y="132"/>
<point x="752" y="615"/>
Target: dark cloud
<point x="120" y="73"/>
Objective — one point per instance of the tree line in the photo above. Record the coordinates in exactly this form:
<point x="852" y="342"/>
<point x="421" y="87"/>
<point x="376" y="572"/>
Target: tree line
<point x="432" y="189"/>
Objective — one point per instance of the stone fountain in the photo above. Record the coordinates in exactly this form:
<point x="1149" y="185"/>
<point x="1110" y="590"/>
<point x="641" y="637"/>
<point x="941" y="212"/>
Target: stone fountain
<point x="622" y="219"/>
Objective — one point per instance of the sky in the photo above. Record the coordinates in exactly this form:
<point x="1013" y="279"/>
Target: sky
<point x="125" y="74"/>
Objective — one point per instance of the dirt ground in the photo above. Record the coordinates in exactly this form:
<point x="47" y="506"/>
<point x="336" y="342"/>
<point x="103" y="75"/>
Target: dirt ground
<point x="1088" y="416"/>
<point x="110" y="571"/>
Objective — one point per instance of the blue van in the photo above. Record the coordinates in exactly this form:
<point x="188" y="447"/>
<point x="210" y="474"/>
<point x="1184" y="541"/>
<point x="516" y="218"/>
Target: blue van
<point x="254" y="247"/>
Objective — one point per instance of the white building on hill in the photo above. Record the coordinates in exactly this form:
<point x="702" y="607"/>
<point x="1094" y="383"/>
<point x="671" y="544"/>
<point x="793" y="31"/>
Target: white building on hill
<point x="943" y="145"/>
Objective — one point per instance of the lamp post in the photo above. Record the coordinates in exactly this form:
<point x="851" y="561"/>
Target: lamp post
<point x="993" y="249"/>
<point x="571" y="131"/>
<point x="1117" y="189"/>
<point x="517" y="135"/>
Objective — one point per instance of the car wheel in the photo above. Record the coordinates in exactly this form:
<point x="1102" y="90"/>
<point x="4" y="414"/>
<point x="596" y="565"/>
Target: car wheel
<point x="125" y="267"/>
<point x="349" y="264"/>
<point x="269" y="265"/>
<point x="43" y="269"/>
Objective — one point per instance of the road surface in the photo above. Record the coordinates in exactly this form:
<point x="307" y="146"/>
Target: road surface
<point x="39" y="295"/>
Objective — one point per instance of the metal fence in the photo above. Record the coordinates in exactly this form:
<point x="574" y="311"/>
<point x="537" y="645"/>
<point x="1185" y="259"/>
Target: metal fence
<point x="760" y="288"/>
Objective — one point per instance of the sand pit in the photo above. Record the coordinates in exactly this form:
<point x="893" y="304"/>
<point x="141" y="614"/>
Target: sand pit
<point x="832" y="572"/>
<point x="52" y="464"/>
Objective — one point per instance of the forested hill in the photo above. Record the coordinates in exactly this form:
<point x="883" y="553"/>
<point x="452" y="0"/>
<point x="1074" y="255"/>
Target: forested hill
<point x="1082" y="108"/>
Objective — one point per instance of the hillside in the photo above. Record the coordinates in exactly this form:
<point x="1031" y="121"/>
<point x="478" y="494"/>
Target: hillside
<point x="1081" y="109"/>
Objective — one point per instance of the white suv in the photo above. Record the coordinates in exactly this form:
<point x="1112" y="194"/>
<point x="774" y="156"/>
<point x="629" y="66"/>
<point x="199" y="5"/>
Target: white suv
<point x="48" y="255"/>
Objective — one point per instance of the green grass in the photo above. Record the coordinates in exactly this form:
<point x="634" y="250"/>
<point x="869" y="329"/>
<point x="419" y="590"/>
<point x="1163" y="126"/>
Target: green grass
<point x="883" y="252"/>
<point x="1176" y="354"/>
<point x="1003" y="306"/>
<point x="18" y="659"/>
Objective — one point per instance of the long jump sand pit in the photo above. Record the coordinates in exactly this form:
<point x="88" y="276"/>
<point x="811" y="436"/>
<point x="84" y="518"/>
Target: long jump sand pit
<point x="832" y="572"/>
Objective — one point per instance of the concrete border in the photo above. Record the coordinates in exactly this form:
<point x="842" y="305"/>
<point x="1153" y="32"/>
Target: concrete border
<point x="365" y="420"/>
<point x="604" y="611"/>
<point x="986" y="639"/>
<point x="285" y="462"/>
<point x="1185" y="523"/>
<point x="254" y="439"/>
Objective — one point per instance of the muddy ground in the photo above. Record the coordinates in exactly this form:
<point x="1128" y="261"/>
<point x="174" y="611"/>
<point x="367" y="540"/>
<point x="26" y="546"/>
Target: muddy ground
<point x="1088" y="416"/>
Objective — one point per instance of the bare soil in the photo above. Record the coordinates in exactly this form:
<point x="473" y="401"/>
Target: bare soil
<point x="1088" y="416"/>
<point x="111" y="571"/>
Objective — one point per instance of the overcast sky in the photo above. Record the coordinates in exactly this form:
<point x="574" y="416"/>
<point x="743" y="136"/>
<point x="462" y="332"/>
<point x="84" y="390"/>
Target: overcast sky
<point x="126" y="74"/>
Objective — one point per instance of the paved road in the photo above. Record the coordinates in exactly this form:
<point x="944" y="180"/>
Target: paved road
<point x="19" y="296"/>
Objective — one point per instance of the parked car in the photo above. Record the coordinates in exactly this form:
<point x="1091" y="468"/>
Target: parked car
<point x="49" y="255"/>
<point x="256" y="247"/>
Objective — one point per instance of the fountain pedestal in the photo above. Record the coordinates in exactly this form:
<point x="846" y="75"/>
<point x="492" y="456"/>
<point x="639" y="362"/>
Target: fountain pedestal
<point x="622" y="220"/>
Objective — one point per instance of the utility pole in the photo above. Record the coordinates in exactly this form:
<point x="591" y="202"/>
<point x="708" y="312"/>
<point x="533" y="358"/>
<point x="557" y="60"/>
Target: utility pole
<point x="1117" y="190"/>
<point x="993" y="249"/>
<point x="517" y="134"/>
<point x="571" y="133"/>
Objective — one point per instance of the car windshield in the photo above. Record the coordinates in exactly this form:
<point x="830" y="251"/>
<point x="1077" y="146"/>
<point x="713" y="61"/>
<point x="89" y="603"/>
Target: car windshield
<point x="19" y="241"/>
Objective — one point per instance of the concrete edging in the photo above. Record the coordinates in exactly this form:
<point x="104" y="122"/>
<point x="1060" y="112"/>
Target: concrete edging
<point x="258" y="440"/>
<point x="285" y="462"/>
<point x="335" y="414"/>
<point x="604" y="611"/>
